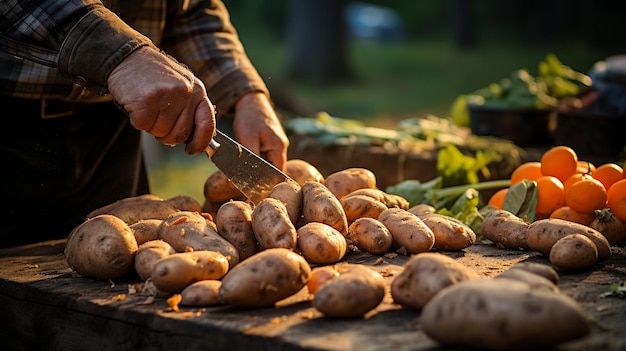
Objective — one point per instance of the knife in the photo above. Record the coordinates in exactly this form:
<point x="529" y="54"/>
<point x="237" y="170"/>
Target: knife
<point x="251" y="174"/>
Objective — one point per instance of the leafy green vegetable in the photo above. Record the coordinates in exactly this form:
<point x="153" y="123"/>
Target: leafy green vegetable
<point x="521" y="199"/>
<point x="521" y="89"/>
<point x="616" y="290"/>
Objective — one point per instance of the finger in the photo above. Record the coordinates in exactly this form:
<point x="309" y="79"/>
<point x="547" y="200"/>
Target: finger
<point x="203" y="128"/>
<point x="275" y="156"/>
<point x="168" y="117"/>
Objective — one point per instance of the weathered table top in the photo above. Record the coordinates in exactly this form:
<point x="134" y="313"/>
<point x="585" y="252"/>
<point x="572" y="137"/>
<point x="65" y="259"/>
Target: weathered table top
<point x="44" y="305"/>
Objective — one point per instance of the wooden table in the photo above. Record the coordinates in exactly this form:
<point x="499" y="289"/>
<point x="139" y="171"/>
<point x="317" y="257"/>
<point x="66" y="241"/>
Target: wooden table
<point x="44" y="305"/>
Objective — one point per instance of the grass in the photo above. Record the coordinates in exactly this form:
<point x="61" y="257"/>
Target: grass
<point x="393" y="81"/>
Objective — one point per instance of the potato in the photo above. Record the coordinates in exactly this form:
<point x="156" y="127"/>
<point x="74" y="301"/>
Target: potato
<point x="201" y="293"/>
<point x="320" y="243"/>
<point x="390" y="200"/>
<point x="541" y="269"/>
<point x="423" y="276"/>
<point x="408" y="231"/>
<point x="370" y="235"/>
<point x="573" y="252"/>
<point x="320" y="205"/>
<point x="219" y="189"/>
<point x="352" y="294"/>
<point x="343" y="182"/>
<point x="502" y="314"/>
<point x="175" y="272"/>
<point x="422" y="209"/>
<point x="190" y="231"/>
<point x="534" y="280"/>
<point x="134" y="209"/>
<point x="320" y="275"/>
<point x="102" y="247"/>
<point x="185" y="203"/>
<point x="146" y="230"/>
<point x="148" y="254"/>
<point x="234" y="223"/>
<point x="265" y="278"/>
<point x="302" y="171"/>
<point x="506" y="230"/>
<point x="358" y="206"/>
<point x="543" y="233"/>
<point x="450" y="233"/>
<point x="271" y="225"/>
<point x="290" y="194"/>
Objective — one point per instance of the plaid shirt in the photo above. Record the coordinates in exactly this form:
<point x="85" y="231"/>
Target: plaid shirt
<point x="66" y="49"/>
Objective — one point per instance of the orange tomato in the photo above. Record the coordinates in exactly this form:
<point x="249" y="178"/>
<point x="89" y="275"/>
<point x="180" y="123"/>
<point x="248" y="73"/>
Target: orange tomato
<point x="585" y="167"/>
<point x="568" y="214"/>
<point x="617" y="199"/>
<point x="560" y="162"/>
<point x="497" y="199"/>
<point x="573" y="179"/>
<point x="550" y="196"/>
<point x="608" y="174"/>
<point x="528" y="170"/>
<point x="586" y="195"/>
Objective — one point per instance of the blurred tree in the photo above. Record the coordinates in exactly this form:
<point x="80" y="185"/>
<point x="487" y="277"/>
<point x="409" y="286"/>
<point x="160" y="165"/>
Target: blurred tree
<point x="316" y="41"/>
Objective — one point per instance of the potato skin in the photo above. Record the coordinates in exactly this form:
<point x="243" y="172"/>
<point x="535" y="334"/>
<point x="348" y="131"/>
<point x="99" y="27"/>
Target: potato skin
<point x="219" y="189"/>
<point x="134" y="209"/>
<point x="422" y="209"/>
<point x="320" y="205"/>
<point x="175" y="272"/>
<point x="502" y="314"/>
<point x="534" y="280"/>
<point x="102" y="247"/>
<point x="201" y="293"/>
<point x="358" y="206"/>
<point x="370" y="235"/>
<point x="541" y="269"/>
<point x="573" y="252"/>
<point x="148" y="254"/>
<point x="423" y="276"/>
<point x="190" y="231"/>
<point x="506" y="230"/>
<point x="450" y="233"/>
<point x="146" y="230"/>
<point x="543" y="234"/>
<point x="234" y="223"/>
<point x="390" y="200"/>
<point x="320" y="243"/>
<point x="343" y="182"/>
<point x="352" y="294"/>
<point x="302" y="171"/>
<point x="408" y="230"/>
<point x="290" y="193"/>
<point x="265" y="278"/>
<point x="272" y="226"/>
<point x="184" y="203"/>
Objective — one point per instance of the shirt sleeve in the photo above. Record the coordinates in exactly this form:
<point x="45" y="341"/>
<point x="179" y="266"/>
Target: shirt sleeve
<point x="202" y="37"/>
<point x="81" y="38"/>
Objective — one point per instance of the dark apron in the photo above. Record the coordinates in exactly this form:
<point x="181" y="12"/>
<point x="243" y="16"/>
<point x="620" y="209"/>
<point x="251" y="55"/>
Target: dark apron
<point x="55" y="171"/>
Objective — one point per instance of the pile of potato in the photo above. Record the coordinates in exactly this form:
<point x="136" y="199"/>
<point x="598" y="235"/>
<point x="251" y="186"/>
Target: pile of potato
<point x="230" y="251"/>
<point x="568" y="245"/>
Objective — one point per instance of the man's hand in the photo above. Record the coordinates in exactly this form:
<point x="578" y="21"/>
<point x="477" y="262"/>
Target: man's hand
<point x="257" y="127"/>
<point x="164" y="98"/>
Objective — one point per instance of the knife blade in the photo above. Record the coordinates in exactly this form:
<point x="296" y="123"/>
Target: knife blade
<point x="251" y="174"/>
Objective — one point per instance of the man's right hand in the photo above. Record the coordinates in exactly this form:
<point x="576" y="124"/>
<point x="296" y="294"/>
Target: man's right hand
<point x="164" y="98"/>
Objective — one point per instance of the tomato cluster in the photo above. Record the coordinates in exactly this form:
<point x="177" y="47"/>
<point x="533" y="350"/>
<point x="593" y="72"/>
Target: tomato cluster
<point x="569" y="188"/>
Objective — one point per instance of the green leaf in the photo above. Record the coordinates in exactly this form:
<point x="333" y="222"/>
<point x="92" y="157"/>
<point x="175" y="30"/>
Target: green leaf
<point x="521" y="199"/>
<point x="616" y="290"/>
